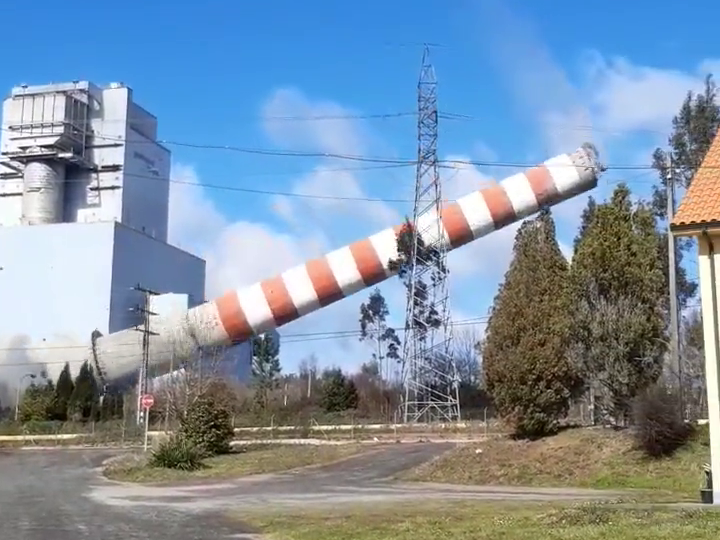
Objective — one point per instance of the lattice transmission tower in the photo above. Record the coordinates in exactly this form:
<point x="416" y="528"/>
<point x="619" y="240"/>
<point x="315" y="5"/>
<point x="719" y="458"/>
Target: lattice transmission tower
<point x="431" y="381"/>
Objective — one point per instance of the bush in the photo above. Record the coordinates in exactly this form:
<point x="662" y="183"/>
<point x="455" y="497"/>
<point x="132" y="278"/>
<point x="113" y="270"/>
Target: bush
<point x="177" y="453"/>
<point x="208" y="425"/>
<point x="659" y="429"/>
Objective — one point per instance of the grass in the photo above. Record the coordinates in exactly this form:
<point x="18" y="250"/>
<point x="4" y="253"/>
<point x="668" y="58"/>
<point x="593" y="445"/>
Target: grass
<point x="586" y="458"/>
<point x="478" y="521"/>
<point x="243" y="462"/>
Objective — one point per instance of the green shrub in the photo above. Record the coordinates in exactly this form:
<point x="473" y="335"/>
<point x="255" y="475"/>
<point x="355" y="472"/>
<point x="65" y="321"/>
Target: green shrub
<point x="659" y="430"/>
<point x="177" y="453"/>
<point x="208" y="425"/>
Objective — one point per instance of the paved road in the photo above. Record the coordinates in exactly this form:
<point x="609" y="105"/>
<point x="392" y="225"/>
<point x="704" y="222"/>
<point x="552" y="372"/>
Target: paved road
<point x="59" y="494"/>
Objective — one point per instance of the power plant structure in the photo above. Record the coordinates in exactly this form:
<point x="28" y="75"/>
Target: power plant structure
<point x="84" y="205"/>
<point x="83" y="231"/>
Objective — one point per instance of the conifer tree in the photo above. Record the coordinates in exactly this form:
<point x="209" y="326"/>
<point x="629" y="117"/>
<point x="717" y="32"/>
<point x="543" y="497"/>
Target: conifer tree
<point x="619" y="290"/>
<point x="526" y="365"/>
<point x="693" y="130"/>
<point x="265" y="368"/>
<point x="63" y="393"/>
<point x="339" y="392"/>
<point x="84" y="401"/>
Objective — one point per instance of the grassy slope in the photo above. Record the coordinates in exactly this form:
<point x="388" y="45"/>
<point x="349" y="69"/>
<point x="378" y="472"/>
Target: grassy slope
<point x="492" y="521"/>
<point x="255" y="460"/>
<point x="593" y="458"/>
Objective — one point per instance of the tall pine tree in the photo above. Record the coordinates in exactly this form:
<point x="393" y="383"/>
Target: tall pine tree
<point x="693" y="130"/>
<point x="63" y="393"/>
<point x="85" y="398"/>
<point x="525" y="352"/>
<point x="619" y="290"/>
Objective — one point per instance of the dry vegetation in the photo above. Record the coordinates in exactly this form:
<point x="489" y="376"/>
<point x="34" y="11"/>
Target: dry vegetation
<point x="492" y="521"/>
<point x="589" y="458"/>
<point x="243" y="462"/>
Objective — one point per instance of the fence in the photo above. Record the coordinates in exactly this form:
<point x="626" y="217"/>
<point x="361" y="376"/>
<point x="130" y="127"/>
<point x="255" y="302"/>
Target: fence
<point x="126" y="433"/>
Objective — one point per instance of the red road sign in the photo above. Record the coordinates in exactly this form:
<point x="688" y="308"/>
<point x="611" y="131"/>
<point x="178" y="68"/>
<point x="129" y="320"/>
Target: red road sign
<point x="147" y="401"/>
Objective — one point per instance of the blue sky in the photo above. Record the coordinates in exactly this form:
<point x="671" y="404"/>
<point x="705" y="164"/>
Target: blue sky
<point x="534" y="81"/>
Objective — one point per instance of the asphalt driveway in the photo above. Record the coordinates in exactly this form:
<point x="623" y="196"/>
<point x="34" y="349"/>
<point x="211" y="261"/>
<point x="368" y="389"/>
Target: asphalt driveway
<point x="60" y="495"/>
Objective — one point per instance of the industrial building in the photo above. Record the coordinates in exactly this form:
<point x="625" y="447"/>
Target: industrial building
<point x="84" y="204"/>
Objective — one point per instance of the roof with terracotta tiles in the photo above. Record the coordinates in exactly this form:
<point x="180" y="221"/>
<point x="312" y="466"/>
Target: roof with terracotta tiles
<point x="701" y="204"/>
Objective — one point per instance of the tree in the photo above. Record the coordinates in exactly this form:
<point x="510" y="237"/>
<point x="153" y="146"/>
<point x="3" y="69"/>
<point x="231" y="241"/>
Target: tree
<point x="526" y="364"/>
<point x="618" y="289"/>
<point x="207" y="423"/>
<point x="466" y="350"/>
<point x="112" y="406"/>
<point x="265" y="368"/>
<point x="188" y="382"/>
<point x="84" y="401"/>
<point x="37" y="402"/>
<point x="693" y="131"/>
<point x="338" y="391"/>
<point x="63" y="393"/>
<point x="693" y="363"/>
<point x="373" y="326"/>
<point x="429" y="257"/>
<point x="307" y="371"/>
<point x="586" y="218"/>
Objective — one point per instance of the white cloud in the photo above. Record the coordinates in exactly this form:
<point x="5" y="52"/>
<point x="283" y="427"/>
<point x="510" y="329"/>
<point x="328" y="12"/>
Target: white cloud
<point x="608" y="98"/>
<point x="626" y="97"/>
<point x="327" y="128"/>
<point x="622" y="107"/>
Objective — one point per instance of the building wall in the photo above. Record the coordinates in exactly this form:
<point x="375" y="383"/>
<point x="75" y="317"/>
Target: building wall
<point x="155" y="265"/>
<point x="61" y="282"/>
<point x="711" y="335"/>
<point x="146" y="185"/>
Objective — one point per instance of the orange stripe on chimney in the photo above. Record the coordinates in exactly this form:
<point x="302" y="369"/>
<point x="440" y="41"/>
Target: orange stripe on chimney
<point x="543" y="185"/>
<point x="324" y="282"/>
<point x="233" y="317"/>
<point x="456" y="225"/>
<point x="279" y="300"/>
<point x="499" y="205"/>
<point x="369" y="265"/>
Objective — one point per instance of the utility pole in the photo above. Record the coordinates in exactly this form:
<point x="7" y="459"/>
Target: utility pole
<point x="675" y="360"/>
<point x="143" y="377"/>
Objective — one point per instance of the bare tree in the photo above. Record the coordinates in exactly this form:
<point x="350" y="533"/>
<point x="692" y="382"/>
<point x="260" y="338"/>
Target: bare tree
<point x="466" y="348"/>
<point x="693" y="364"/>
<point x="308" y="372"/>
<point x="194" y="378"/>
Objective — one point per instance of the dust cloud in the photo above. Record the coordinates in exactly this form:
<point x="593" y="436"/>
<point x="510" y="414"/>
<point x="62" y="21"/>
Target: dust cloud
<point x="21" y="359"/>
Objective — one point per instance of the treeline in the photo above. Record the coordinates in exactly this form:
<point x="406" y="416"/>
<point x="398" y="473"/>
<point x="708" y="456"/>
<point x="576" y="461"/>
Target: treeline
<point x="67" y="399"/>
<point x="597" y="327"/>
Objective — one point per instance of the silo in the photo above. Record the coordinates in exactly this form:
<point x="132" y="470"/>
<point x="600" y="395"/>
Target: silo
<point x="43" y="195"/>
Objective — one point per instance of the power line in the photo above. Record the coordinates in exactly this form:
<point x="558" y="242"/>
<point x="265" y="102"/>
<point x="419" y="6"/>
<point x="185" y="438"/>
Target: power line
<point x="354" y="157"/>
<point x="292" y="194"/>
<point x="286" y="338"/>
